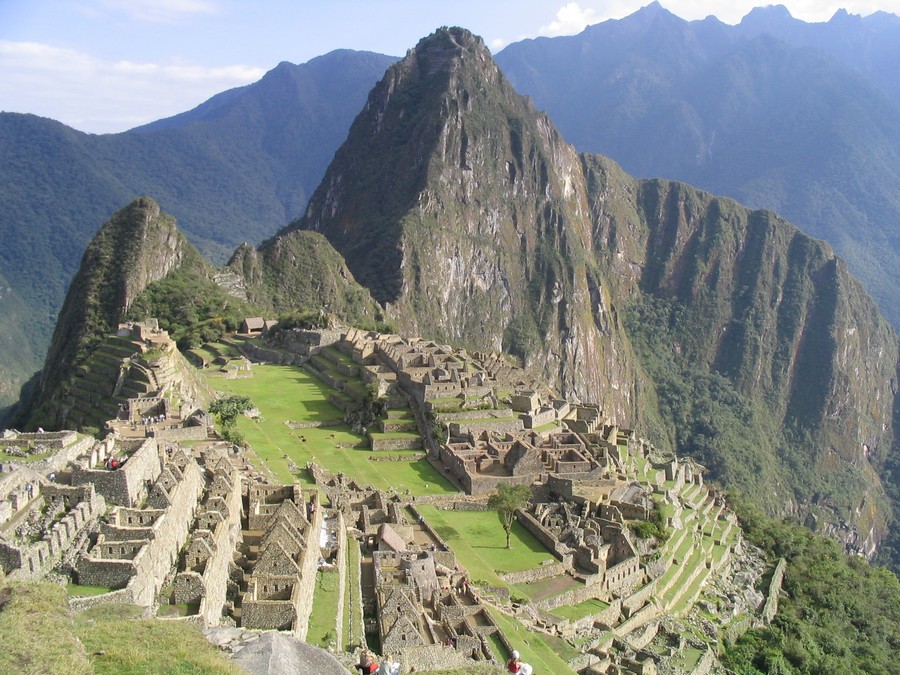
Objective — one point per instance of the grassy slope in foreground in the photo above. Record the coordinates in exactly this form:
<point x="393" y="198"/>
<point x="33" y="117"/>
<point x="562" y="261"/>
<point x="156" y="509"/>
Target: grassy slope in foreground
<point x="38" y="635"/>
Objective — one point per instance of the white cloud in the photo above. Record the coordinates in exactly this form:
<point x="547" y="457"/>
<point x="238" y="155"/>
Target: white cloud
<point x="497" y="44"/>
<point x="100" y="96"/>
<point x="161" y="11"/>
<point x="570" y="19"/>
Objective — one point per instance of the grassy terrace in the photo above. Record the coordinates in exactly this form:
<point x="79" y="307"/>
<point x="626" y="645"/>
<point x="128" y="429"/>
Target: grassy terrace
<point x="479" y="542"/>
<point x="581" y="610"/>
<point x="546" y="653"/>
<point x="38" y="634"/>
<point x="323" y="619"/>
<point x="546" y="588"/>
<point x="285" y="393"/>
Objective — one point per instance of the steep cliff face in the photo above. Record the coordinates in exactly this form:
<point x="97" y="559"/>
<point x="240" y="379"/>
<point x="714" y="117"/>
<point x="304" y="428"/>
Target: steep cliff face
<point x="776" y="313"/>
<point x="466" y="215"/>
<point x="137" y="246"/>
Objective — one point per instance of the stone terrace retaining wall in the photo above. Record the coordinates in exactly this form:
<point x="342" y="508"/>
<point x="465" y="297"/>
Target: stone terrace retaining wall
<point x="572" y="597"/>
<point x="536" y="573"/>
<point x="379" y="444"/>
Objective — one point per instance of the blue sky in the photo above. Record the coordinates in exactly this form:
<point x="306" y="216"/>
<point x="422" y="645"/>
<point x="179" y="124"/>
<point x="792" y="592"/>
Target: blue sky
<point x="109" y="65"/>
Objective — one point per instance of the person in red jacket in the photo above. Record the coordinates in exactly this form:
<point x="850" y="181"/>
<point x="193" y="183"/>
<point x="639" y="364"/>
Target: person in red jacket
<point x="516" y="665"/>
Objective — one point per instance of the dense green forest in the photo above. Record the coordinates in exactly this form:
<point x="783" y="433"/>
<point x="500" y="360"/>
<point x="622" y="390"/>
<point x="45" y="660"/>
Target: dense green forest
<point x="837" y="613"/>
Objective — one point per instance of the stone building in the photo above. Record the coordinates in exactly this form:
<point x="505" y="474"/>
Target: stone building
<point x="483" y="462"/>
<point x="283" y="524"/>
<point x="137" y="547"/>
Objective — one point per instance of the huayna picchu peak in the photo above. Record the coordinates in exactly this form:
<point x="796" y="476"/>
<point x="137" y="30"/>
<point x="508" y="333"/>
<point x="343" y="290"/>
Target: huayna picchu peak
<point x="471" y="316"/>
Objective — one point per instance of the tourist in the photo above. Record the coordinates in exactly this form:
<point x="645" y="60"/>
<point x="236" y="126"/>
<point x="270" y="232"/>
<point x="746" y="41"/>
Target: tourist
<point x="29" y="490"/>
<point x="367" y="664"/>
<point x="516" y="665"/>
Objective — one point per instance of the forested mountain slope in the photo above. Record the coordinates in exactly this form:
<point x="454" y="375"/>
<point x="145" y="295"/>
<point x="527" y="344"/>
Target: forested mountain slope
<point x="236" y="168"/>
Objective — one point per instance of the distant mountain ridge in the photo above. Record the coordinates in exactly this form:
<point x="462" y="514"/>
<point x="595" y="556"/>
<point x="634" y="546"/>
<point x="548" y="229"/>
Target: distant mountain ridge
<point x="803" y="119"/>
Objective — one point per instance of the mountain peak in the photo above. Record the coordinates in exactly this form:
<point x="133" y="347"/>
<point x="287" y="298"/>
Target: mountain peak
<point x="767" y="17"/>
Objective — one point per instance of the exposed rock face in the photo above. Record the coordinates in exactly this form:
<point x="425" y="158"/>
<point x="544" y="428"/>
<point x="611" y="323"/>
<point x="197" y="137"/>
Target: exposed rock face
<point x="464" y="212"/>
<point x="137" y="246"/>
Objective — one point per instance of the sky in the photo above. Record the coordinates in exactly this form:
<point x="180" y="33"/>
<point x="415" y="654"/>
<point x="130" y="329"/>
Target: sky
<point x="104" y="66"/>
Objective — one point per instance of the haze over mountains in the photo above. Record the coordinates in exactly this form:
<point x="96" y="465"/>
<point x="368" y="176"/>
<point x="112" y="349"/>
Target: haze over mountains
<point x="719" y="106"/>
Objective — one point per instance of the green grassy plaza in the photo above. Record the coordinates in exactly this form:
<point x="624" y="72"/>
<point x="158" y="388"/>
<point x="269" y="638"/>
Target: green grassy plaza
<point x="288" y="393"/>
<point x="479" y="542"/>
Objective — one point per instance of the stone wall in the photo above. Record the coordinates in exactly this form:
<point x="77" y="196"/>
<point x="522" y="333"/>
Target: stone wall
<point x="431" y="658"/>
<point x="572" y="597"/>
<point x="502" y="425"/>
<point x="379" y="444"/>
<point x="33" y="561"/>
<point x="170" y="533"/>
<point x="340" y="563"/>
<point x="178" y="434"/>
<point x="126" y="486"/>
<point x="529" y="576"/>
<point x="214" y="579"/>
<point x="545" y="536"/>
<point x="640" y="597"/>
<point x="624" y="576"/>
<point x="502" y="413"/>
<point x="771" y="606"/>
<point x="153" y="558"/>
<point x="308" y="568"/>
<point x="478" y="484"/>
<point x="120" y="597"/>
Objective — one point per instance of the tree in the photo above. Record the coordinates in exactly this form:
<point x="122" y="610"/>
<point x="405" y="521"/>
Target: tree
<point x="506" y="501"/>
<point x="228" y="408"/>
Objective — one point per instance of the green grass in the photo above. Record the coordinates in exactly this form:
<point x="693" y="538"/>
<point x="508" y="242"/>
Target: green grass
<point x="78" y="591"/>
<point x="36" y="632"/>
<point x="289" y="393"/>
<point x="581" y="610"/>
<point x="122" y="644"/>
<point x="479" y="542"/>
<point x="323" y="619"/>
<point x="30" y="458"/>
<point x="544" y="653"/>
<point x="38" y="635"/>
